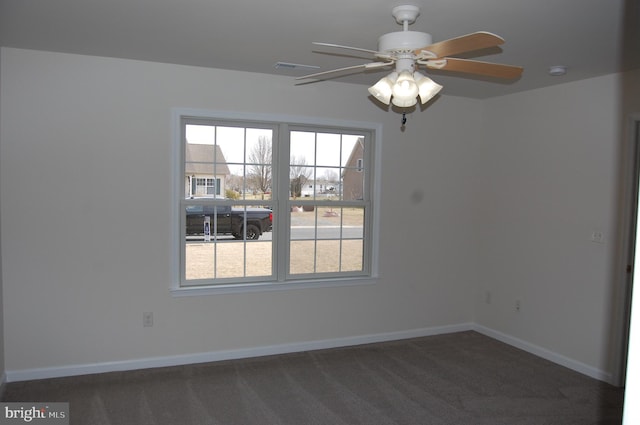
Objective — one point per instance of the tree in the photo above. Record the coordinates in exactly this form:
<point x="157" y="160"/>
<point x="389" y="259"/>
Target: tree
<point x="329" y="181"/>
<point x="235" y="182"/>
<point x="259" y="173"/>
<point x="331" y="176"/>
<point x="299" y="175"/>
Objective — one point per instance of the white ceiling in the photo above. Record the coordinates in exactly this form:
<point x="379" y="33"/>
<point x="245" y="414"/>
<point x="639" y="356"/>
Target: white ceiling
<point x="591" y="37"/>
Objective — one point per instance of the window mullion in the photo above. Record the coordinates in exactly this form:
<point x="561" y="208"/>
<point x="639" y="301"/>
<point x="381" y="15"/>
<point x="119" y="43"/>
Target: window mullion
<point x="282" y="232"/>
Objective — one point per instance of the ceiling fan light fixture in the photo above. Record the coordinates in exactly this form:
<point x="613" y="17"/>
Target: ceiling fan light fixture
<point x="405" y="90"/>
<point x="427" y="88"/>
<point x="406" y="50"/>
<point x="383" y="89"/>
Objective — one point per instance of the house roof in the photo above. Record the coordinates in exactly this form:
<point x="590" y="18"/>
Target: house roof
<point x="200" y="159"/>
<point x="356" y="152"/>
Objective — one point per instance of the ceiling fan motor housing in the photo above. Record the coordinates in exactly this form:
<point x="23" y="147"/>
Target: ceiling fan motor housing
<point x="403" y="41"/>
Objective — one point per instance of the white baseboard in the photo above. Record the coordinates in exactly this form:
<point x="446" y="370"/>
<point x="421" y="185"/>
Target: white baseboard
<point x="184" y="359"/>
<point x="546" y="354"/>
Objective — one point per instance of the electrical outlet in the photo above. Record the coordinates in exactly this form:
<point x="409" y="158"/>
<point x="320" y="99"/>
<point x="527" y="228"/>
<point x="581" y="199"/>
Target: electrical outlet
<point x="147" y="319"/>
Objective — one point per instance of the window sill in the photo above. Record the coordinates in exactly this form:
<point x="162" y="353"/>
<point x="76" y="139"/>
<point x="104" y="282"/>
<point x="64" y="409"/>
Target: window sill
<point x="268" y="286"/>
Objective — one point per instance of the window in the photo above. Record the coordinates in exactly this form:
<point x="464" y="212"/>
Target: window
<point x="272" y="202"/>
<point x="207" y="186"/>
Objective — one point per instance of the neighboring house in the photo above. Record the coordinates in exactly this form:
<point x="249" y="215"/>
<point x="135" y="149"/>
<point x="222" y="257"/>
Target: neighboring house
<point x="205" y="171"/>
<point x="352" y="175"/>
<point x="320" y="189"/>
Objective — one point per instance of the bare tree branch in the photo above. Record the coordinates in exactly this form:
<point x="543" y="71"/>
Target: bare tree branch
<point x="259" y="173"/>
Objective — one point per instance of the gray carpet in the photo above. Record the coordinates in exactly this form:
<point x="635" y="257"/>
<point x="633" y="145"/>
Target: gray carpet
<point x="463" y="379"/>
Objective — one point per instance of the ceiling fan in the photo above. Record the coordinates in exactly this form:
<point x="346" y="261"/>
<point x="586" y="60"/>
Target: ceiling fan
<point x="408" y="50"/>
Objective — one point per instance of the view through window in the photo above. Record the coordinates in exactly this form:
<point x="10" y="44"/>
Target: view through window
<point x="272" y="202"/>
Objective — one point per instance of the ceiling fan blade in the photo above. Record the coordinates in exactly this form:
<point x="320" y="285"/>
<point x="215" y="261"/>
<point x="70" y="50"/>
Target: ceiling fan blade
<point x="357" y="49"/>
<point x="371" y="65"/>
<point x="373" y="52"/>
<point x="476" y="67"/>
<point x="465" y="43"/>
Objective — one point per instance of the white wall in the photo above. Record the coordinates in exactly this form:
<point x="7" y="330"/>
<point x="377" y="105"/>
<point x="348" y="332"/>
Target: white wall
<point x="85" y="173"/>
<point x="499" y="195"/>
<point x="550" y="177"/>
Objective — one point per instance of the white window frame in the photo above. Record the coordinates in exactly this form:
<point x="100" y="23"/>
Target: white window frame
<point x="281" y="220"/>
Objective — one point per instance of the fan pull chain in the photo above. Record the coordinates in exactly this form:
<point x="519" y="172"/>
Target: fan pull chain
<point x="404" y="118"/>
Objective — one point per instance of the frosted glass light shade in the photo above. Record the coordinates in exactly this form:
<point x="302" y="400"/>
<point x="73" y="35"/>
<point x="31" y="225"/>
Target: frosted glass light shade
<point x="405" y="90"/>
<point x="383" y="89"/>
<point x="427" y="88"/>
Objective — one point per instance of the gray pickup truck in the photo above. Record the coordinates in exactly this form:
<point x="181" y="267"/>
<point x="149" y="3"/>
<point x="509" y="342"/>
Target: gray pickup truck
<point x="227" y="220"/>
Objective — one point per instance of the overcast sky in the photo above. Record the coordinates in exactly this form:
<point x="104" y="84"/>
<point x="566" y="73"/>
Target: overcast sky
<point x="323" y="149"/>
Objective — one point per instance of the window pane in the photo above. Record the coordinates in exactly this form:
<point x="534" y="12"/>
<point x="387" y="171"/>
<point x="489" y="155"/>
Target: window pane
<point x="354" y="217"/>
<point x="301" y="184"/>
<point x="353" y="174"/>
<point x="195" y="182"/>
<point x="259" y="159"/>
<point x="259" y="258"/>
<point x="328" y="150"/>
<point x="199" y="260"/>
<point x="328" y="183"/>
<point x="302" y="257"/>
<point x="200" y="134"/>
<point x="230" y="258"/>
<point x="328" y="256"/>
<point x="303" y="147"/>
<point x="350" y="147"/>
<point x="302" y="223"/>
<point x="352" y="259"/>
<point x="231" y="143"/>
<point x="259" y="146"/>
<point x="200" y="157"/>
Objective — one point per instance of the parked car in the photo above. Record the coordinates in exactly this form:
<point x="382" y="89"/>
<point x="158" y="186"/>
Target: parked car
<point x="227" y="220"/>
